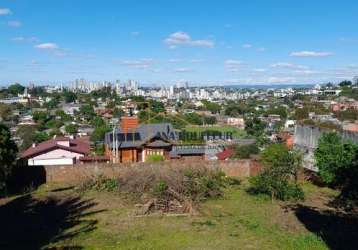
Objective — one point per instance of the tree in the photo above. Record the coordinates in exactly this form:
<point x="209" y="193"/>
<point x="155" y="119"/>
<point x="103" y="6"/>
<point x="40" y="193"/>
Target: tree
<point x="255" y="127"/>
<point x="5" y="112"/>
<point x="69" y="96"/>
<point x="41" y="136"/>
<point x="40" y="116"/>
<point x="118" y="113"/>
<point x="345" y="83"/>
<point x="87" y="112"/>
<point x="301" y="113"/>
<point x="194" y="119"/>
<point x="52" y="104"/>
<point x="279" y="177"/>
<point x="245" y="151"/>
<point x="27" y="134"/>
<point x="355" y="80"/>
<point x="281" y="111"/>
<point x="235" y="109"/>
<point x="210" y="120"/>
<point x="8" y="152"/>
<point x="98" y="133"/>
<point x="71" y="129"/>
<point x="98" y="122"/>
<point x="211" y="106"/>
<point x="16" y="89"/>
<point x="337" y="163"/>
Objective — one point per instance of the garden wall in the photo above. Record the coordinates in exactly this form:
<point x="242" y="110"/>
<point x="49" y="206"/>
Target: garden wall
<point x="77" y="173"/>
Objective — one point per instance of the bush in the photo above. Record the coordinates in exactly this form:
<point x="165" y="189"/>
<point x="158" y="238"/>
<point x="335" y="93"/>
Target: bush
<point x="337" y="163"/>
<point x="99" y="183"/>
<point x="282" y="190"/>
<point x="176" y="188"/>
<point x="244" y="151"/>
<point x="155" y="158"/>
<point x="279" y="176"/>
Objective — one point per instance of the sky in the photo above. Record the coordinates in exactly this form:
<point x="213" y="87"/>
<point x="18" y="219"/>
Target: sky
<point x="163" y="42"/>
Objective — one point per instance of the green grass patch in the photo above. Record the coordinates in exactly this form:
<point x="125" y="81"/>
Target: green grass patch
<point x="238" y="220"/>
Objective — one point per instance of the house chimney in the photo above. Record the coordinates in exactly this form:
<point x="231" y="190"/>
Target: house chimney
<point x="129" y="123"/>
<point x="33" y="145"/>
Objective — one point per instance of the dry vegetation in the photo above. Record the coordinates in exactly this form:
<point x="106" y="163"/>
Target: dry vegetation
<point x="166" y="189"/>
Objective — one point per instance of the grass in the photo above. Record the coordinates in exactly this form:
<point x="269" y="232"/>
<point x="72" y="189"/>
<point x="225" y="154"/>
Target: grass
<point x="236" y="132"/>
<point x="237" y="221"/>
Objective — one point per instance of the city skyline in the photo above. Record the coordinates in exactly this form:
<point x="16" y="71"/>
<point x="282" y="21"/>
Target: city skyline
<point x="204" y="43"/>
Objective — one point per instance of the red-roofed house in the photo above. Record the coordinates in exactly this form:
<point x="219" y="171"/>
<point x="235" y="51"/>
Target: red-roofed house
<point x="225" y="155"/>
<point x="57" y="151"/>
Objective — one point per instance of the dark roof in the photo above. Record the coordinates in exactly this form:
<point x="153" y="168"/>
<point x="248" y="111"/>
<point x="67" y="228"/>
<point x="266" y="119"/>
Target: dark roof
<point x="142" y="134"/>
<point x="187" y="150"/>
<point x="158" y="144"/>
<point x="227" y="153"/>
<point x="77" y="145"/>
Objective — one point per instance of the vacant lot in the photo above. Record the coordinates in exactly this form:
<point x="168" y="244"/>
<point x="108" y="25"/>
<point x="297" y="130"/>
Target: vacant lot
<point x="57" y="217"/>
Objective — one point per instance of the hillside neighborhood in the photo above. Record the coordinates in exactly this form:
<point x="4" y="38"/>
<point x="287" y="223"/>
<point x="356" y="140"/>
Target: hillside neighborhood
<point x="178" y="125"/>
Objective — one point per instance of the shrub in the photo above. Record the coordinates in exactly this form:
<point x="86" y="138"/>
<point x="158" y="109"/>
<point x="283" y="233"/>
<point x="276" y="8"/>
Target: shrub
<point x="337" y="165"/>
<point x="282" y="190"/>
<point x="99" y="183"/>
<point x="177" y="188"/>
<point x="155" y="158"/>
<point x="279" y="176"/>
<point x="244" y="151"/>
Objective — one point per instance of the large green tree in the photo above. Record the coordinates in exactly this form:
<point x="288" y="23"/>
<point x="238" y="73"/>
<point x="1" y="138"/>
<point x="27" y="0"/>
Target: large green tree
<point x="279" y="177"/>
<point x="16" y="89"/>
<point x="337" y="163"/>
<point x="8" y="152"/>
<point x="27" y="133"/>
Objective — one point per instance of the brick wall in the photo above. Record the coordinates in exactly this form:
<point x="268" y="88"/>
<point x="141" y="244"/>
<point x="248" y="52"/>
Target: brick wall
<point x="77" y="173"/>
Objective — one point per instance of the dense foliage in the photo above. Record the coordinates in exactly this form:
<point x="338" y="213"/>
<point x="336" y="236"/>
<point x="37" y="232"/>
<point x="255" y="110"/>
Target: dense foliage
<point x="279" y="177"/>
<point x="245" y="151"/>
<point x="8" y="152"/>
<point x="337" y="162"/>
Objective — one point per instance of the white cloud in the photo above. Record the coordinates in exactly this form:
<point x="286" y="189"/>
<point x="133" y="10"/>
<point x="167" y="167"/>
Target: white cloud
<point x="18" y="39"/>
<point x="259" y="70"/>
<point x="25" y="39"/>
<point x="174" y="60"/>
<point x="5" y="11"/>
<point x="143" y="63"/>
<point x="247" y="46"/>
<point x="310" y="54"/>
<point x="233" y="65"/>
<point x="284" y="65"/>
<point x="183" y="70"/>
<point x="14" y="24"/>
<point x="182" y="38"/>
<point x="306" y="72"/>
<point x="262" y="49"/>
<point x="281" y="79"/>
<point x="135" y="33"/>
<point x="196" y="60"/>
<point x="47" y="46"/>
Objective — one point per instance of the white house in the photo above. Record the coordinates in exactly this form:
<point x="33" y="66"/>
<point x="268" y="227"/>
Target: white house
<point x="57" y="151"/>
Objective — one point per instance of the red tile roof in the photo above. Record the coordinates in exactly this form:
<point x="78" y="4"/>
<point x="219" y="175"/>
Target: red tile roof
<point x="227" y="153"/>
<point x="77" y="145"/>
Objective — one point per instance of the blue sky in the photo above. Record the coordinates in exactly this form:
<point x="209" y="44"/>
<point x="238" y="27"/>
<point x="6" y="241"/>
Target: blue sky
<point x="163" y="42"/>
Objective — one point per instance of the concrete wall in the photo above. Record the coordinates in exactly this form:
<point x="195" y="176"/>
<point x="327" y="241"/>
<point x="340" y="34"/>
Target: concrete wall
<point x="77" y="173"/>
<point x="306" y="139"/>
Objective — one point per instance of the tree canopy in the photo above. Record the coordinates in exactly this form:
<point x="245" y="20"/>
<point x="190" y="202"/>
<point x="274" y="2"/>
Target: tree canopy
<point x="337" y="163"/>
<point x="8" y="152"/>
